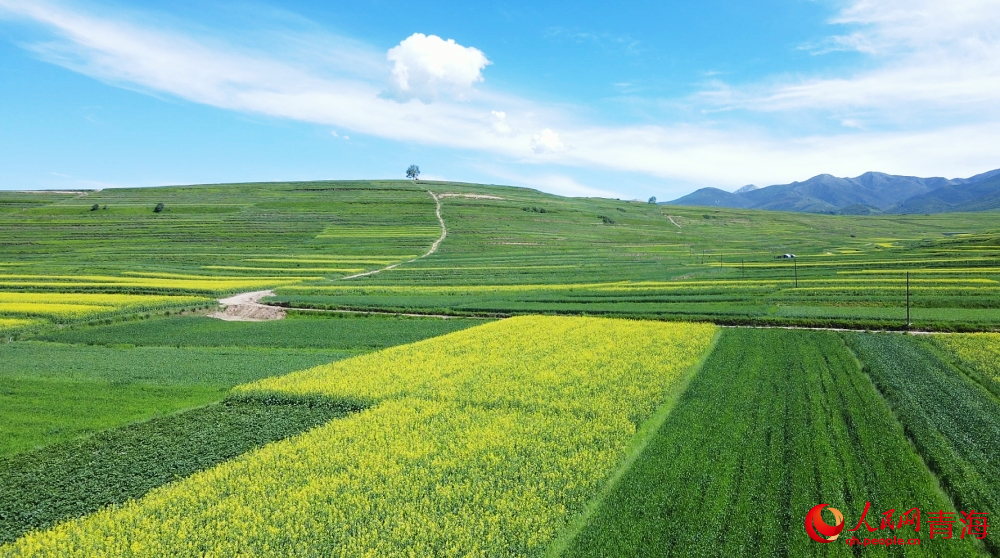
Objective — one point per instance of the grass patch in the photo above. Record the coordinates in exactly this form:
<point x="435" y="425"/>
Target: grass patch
<point x="343" y="332"/>
<point x="52" y="392"/>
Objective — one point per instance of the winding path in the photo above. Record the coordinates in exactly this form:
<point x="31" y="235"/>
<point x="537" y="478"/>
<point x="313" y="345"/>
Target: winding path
<point x="246" y="307"/>
<point x="434" y="247"/>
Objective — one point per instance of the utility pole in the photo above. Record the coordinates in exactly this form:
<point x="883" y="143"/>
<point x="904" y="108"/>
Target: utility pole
<point x="796" y="266"/>
<point x="907" y="301"/>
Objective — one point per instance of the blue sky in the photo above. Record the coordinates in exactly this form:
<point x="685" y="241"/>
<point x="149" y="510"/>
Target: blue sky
<point x="628" y="99"/>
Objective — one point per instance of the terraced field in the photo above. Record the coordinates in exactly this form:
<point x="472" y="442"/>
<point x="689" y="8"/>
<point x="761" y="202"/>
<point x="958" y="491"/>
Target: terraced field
<point x="516" y="251"/>
<point x="625" y="422"/>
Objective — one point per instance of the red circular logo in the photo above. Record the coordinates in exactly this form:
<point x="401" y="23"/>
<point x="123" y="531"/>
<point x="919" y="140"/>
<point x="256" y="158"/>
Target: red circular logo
<point x="818" y="530"/>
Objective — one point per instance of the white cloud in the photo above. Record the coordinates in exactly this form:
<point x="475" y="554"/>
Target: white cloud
<point x="547" y="141"/>
<point x="554" y="184"/>
<point x="929" y="104"/>
<point x="500" y="125"/>
<point x="425" y="67"/>
<point x="930" y="57"/>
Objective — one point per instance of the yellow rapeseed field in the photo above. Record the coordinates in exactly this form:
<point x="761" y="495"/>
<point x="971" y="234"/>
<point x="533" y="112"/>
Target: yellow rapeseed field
<point x="206" y="284"/>
<point x="81" y="304"/>
<point x="13" y="323"/>
<point x="978" y="350"/>
<point x="484" y="442"/>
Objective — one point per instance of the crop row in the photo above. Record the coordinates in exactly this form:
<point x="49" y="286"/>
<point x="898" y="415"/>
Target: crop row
<point x="484" y="442"/>
<point x="80" y="476"/>
<point x="978" y="354"/>
<point x="953" y="422"/>
<point x="78" y="305"/>
<point x="775" y="423"/>
<point x="310" y="331"/>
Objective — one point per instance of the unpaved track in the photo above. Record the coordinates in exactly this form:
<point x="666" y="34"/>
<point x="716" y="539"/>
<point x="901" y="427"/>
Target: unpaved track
<point x="246" y="307"/>
<point x="434" y="247"/>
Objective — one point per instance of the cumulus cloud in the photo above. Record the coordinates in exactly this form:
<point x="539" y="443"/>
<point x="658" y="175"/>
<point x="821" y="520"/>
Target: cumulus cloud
<point x="427" y="66"/>
<point x="546" y="141"/>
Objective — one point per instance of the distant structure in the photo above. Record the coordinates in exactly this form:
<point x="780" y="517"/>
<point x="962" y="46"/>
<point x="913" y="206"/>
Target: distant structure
<point x="413" y="172"/>
<point x="785" y="256"/>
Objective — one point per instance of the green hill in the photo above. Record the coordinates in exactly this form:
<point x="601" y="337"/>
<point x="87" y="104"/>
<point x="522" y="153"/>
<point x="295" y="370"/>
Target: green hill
<point x="508" y="251"/>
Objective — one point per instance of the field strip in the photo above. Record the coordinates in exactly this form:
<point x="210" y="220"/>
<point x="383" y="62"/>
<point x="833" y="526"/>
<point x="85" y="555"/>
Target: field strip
<point x="730" y="448"/>
<point x="434" y="247"/>
<point x="247" y="306"/>
<point x="645" y="434"/>
<point x="484" y="442"/>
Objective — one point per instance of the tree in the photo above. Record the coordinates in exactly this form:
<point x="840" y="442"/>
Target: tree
<point x="158" y="208"/>
<point x="652" y="199"/>
<point x="413" y="172"/>
<point x="95" y="207"/>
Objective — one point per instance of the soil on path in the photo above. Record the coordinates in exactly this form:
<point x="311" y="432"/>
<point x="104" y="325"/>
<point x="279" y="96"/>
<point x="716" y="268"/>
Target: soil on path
<point x="246" y="307"/>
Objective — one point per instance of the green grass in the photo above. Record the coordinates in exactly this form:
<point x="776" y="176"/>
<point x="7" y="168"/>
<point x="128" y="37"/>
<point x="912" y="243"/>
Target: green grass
<point x="338" y="332"/>
<point x="51" y="392"/>
<point x="34" y="413"/>
<point x="953" y="421"/>
<point x="185" y="366"/>
<point x="139" y="369"/>
<point x="775" y="423"/>
<point x="80" y="476"/>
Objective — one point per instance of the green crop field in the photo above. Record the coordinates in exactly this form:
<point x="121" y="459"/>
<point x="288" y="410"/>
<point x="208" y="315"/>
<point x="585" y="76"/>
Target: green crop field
<point x="532" y="375"/>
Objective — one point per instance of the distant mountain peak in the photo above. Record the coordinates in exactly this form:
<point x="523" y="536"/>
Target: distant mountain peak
<point x="868" y="194"/>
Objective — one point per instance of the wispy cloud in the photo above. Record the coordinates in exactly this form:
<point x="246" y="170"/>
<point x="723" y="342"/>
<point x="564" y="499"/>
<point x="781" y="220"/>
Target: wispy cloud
<point x="930" y="56"/>
<point x="928" y="104"/>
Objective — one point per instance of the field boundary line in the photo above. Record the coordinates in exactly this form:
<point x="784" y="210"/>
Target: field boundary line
<point x="640" y="441"/>
<point x="433" y="248"/>
<point x="956" y="363"/>
<point x="938" y="484"/>
<point x="249" y="303"/>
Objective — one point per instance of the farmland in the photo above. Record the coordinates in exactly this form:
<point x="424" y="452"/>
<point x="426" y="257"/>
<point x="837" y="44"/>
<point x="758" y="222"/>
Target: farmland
<point x="764" y="457"/>
<point x="559" y="386"/>
<point x="505" y="256"/>
<point x="462" y="426"/>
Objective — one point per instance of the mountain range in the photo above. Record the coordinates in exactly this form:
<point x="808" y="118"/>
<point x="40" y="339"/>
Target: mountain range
<point x="870" y="193"/>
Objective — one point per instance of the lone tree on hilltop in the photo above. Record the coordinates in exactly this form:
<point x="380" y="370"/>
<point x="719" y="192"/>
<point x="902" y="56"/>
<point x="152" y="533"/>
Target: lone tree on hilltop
<point x="413" y="172"/>
<point x="652" y="199"/>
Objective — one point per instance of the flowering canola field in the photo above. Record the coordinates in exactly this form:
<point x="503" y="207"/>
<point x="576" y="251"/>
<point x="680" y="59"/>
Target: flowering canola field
<point x="81" y="304"/>
<point x="12" y="323"/>
<point x="484" y="442"/>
